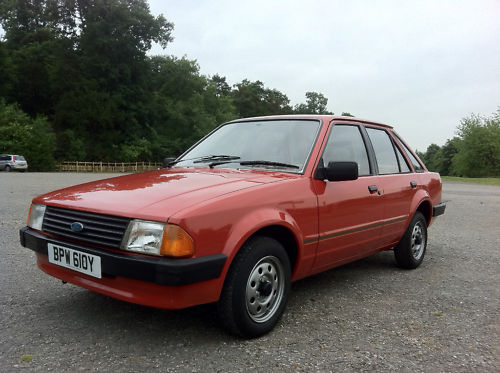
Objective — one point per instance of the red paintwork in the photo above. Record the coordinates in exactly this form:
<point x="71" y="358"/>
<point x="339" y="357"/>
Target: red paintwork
<point x="221" y="208"/>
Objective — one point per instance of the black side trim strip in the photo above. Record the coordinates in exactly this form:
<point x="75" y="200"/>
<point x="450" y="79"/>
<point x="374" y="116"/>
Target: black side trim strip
<point x="162" y="271"/>
<point x="354" y="230"/>
<point x="311" y="240"/>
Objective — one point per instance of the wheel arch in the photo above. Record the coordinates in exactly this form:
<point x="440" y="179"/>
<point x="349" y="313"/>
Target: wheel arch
<point x="284" y="236"/>
<point x="426" y="209"/>
<point x="421" y="202"/>
<point x="269" y="223"/>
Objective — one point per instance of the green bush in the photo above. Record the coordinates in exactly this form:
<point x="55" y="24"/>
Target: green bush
<point x="31" y="137"/>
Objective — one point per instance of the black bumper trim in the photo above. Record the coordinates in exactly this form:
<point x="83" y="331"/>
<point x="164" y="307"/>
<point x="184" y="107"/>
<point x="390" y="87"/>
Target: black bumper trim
<point x="162" y="271"/>
<point x="439" y="209"/>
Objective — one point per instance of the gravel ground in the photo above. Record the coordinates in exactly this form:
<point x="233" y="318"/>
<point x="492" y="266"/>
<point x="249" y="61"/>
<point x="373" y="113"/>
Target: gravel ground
<point x="368" y="315"/>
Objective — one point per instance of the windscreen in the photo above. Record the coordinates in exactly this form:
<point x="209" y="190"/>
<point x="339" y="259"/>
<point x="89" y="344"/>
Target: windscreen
<point x="280" y="141"/>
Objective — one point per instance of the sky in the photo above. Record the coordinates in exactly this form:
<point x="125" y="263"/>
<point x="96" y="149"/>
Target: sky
<point x="420" y="66"/>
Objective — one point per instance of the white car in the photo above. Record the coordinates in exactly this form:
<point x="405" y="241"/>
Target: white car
<point x="9" y="162"/>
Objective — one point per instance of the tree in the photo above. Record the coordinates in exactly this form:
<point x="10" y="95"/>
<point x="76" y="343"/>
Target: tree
<point x="186" y="105"/>
<point x="32" y="138"/>
<point x="479" y="149"/>
<point x="448" y="151"/>
<point x="254" y="99"/>
<point x="432" y="158"/>
<point x="223" y="89"/>
<point x="78" y="69"/>
<point x="316" y="103"/>
<point x="84" y="65"/>
<point x="6" y="68"/>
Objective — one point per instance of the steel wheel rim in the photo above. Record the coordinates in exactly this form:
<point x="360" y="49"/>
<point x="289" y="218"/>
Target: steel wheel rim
<point x="418" y="240"/>
<point x="265" y="288"/>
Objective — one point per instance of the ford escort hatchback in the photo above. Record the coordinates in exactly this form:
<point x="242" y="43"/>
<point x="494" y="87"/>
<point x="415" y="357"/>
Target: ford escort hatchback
<point x="256" y="204"/>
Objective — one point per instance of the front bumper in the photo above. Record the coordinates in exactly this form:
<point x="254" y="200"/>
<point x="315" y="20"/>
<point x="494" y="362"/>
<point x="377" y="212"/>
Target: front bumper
<point x="161" y="271"/>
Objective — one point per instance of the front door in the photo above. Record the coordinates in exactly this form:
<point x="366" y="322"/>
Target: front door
<point x="350" y="212"/>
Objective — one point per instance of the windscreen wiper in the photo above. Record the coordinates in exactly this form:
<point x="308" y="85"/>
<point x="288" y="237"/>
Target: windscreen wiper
<point x="220" y="157"/>
<point x="268" y="163"/>
<point x="256" y="163"/>
<point x="205" y="158"/>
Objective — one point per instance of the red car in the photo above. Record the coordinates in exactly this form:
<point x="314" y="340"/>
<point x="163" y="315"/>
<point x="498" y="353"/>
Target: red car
<point x="254" y="205"/>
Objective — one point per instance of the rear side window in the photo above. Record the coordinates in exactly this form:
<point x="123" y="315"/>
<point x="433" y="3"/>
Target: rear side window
<point x="403" y="166"/>
<point x="384" y="151"/>
<point x="346" y="144"/>
<point x="414" y="161"/>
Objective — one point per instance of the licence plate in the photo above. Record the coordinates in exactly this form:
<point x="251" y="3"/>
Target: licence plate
<point x="75" y="260"/>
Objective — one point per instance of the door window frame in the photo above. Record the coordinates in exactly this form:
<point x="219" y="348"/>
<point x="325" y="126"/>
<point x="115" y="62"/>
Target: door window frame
<point x="395" y="148"/>
<point x="366" y="141"/>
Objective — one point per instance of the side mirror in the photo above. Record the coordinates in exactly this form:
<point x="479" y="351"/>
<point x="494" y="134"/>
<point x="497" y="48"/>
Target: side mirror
<point x="341" y="171"/>
<point x="166" y="161"/>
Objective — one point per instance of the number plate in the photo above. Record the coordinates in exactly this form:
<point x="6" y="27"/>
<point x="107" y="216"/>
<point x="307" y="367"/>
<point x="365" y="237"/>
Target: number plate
<point x="75" y="260"/>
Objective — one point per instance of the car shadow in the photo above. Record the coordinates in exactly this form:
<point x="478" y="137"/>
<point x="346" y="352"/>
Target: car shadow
<point x="359" y="271"/>
<point x="109" y="319"/>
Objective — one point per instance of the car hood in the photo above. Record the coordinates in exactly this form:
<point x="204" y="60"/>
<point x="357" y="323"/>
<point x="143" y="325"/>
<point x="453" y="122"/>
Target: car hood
<point x="157" y="195"/>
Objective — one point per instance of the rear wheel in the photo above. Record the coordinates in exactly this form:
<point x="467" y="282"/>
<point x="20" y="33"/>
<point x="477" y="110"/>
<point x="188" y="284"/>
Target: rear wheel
<point x="256" y="289"/>
<point x="7" y="168"/>
<point x="410" y="251"/>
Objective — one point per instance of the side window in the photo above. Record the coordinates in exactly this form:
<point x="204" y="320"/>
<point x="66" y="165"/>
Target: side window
<point x="416" y="164"/>
<point x="384" y="151"/>
<point x="403" y="166"/>
<point x="346" y="144"/>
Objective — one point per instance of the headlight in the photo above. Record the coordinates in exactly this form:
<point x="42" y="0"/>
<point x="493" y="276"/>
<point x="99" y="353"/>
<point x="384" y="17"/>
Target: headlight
<point x="35" y="216"/>
<point x="154" y="238"/>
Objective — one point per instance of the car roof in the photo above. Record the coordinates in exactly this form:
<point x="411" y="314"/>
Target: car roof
<point x="326" y="118"/>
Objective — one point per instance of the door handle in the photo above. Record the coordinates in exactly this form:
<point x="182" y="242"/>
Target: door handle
<point x="413" y="184"/>
<point x="372" y="188"/>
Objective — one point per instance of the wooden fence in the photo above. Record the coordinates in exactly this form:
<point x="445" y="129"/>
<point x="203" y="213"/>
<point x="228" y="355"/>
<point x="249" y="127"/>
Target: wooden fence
<point x="108" y="166"/>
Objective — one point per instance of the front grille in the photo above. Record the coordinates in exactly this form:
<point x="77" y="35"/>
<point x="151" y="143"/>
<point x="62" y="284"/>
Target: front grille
<point x="103" y="230"/>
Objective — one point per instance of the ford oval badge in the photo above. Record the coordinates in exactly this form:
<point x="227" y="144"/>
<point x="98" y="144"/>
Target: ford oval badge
<point x="76" y="227"/>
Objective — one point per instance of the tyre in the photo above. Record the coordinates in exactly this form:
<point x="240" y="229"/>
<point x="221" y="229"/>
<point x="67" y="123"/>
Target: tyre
<point x="410" y="251"/>
<point x="7" y="168"/>
<point x="256" y="288"/>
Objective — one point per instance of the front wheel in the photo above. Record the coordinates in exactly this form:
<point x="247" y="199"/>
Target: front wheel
<point x="410" y="251"/>
<point x="256" y="289"/>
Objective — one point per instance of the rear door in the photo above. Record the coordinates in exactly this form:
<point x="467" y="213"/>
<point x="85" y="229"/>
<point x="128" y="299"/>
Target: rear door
<point x="397" y="183"/>
<point x="350" y="212"/>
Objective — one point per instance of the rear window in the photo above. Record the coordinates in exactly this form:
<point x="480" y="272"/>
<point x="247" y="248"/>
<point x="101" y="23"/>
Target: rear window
<point x="414" y="161"/>
<point x="403" y="166"/>
<point x="19" y="158"/>
<point x="384" y="151"/>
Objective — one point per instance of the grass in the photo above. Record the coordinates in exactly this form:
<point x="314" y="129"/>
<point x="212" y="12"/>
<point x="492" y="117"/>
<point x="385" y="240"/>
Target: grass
<point x="27" y="358"/>
<point x="476" y="180"/>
